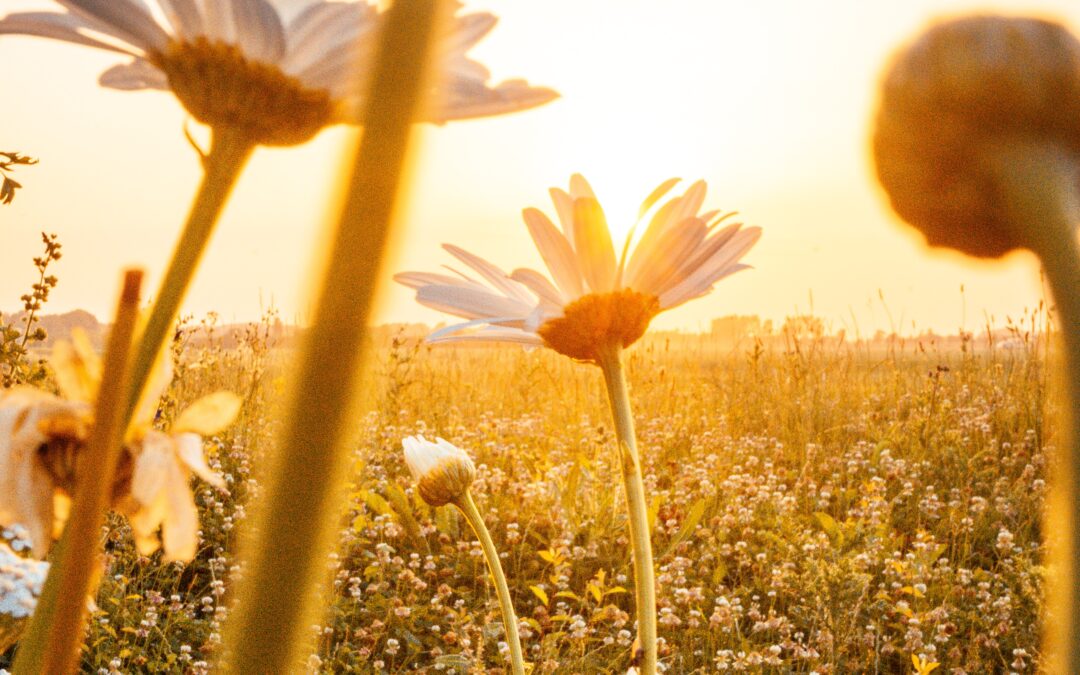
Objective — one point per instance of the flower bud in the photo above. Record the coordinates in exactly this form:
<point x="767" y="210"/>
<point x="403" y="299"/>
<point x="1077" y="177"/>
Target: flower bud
<point x="950" y="101"/>
<point x="443" y="471"/>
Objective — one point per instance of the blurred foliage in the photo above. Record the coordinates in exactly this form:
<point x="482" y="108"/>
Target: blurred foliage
<point x="8" y="185"/>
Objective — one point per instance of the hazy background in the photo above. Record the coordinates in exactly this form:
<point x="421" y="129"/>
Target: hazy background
<point x="769" y="102"/>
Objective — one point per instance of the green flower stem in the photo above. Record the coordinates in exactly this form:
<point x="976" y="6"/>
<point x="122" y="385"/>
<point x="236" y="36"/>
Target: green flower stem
<point x="56" y="630"/>
<point x="510" y="622"/>
<point x="1041" y="185"/>
<point x="304" y="491"/>
<point x="229" y="152"/>
<point x="610" y="363"/>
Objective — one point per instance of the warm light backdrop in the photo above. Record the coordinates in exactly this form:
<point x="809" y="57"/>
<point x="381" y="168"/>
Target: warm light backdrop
<point x="770" y="102"/>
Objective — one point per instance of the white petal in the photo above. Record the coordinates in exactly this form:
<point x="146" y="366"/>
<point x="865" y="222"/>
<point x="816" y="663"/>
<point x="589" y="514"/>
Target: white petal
<point x="152" y="467"/>
<point x="470" y="303"/>
<point x="539" y="284"/>
<point x="64" y="27"/>
<point x="661" y="261"/>
<point x="258" y="30"/>
<point x="465" y="98"/>
<point x="218" y="20"/>
<point x="180" y="529"/>
<point x="592" y="241"/>
<point x="123" y="19"/>
<point x="495" y="276"/>
<point x="184" y="17"/>
<point x="557" y="254"/>
<point x="466" y="31"/>
<point x="579" y="187"/>
<point x="511" y="335"/>
<point x="189" y="447"/>
<point x="564" y="207"/>
<point x="722" y="263"/>
<point x="416" y="280"/>
<point x="656" y="195"/>
<point x="139" y="74"/>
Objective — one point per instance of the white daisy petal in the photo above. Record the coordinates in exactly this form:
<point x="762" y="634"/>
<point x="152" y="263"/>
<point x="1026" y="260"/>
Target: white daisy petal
<point x="218" y="20"/>
<point x="65" y="27"/>
<point x="180" y="529"/>
<point x="719" y="265"/>
<point x="123" y="19"/>
<point x="416" y="280"/>
<point x="259" y="30"/>
<point x="557" y="253"/>
<point x="663" y="260"/>
<point x="184" y="17"/>
<point x="495" y="276"/>
<point x="564" y="208"/>
<point x="539" y="284"/>
<point x="469" y="303"/>
<point x="579" y="187"/>
<point x="592" y="241"/>
<point x="139" y="74"/>
<point x="189" y="448"/>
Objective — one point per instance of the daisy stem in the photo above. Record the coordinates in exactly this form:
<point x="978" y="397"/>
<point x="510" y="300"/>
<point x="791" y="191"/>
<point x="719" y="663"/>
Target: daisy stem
<point x="510" y="621"/>
<point x="56" y="630"/>
<point x="610" y="363"/>
<point x="229" y="152"/>
<point x="304" y="491"/>
<point x="1039" y="183"/>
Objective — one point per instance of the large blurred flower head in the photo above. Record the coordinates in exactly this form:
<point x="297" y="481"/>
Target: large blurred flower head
<point x="949" y="102"/>
<point x="443" y="471"/>
<point x="42" y="438"/>
<point x="236" y="64"/>
<point x="597" y="297"/>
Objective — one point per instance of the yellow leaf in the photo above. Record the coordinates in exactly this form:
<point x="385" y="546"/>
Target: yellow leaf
<point x="592" y="589"/>
<point x="539" y="592"/>
<point x="209" y="415"/>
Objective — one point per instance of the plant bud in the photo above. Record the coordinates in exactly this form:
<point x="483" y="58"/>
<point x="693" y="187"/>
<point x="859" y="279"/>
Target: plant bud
<point x="443" y="472"/>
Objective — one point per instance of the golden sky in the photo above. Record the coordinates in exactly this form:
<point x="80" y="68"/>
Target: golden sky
<point x="770" y="102"/>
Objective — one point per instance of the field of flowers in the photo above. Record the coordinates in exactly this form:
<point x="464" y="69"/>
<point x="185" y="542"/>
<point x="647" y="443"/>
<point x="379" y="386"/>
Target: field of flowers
<point x="818" y="506"/>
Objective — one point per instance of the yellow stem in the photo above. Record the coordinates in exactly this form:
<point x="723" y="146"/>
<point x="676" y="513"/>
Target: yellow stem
<point x="610" y="363"/>
<point x="229" y="152"/>
<point x="1041" y="187"/>
<point x="56" y="629"/>
<point x="269" y="629"/>
<point x="510" y="622"/>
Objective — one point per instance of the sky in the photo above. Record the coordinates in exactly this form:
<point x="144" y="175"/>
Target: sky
<point x="770" y="102"/>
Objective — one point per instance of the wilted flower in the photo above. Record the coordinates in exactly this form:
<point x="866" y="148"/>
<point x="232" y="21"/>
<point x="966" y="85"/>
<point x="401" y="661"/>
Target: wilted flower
<point x="950" y="101"/>
<point x="236" y="64"/>
<point x="21" y="580"/>
<point x="594" y="299"/>
<point x="443" y="471"/>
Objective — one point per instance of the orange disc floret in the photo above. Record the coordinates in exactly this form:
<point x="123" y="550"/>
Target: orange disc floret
<point x="600" y="320"/>
<point x="222" y="88"/>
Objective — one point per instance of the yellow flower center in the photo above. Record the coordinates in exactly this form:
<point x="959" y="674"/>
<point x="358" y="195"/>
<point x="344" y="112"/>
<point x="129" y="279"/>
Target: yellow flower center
<point x="222" y="88"/>
<point x="600" y="320"/>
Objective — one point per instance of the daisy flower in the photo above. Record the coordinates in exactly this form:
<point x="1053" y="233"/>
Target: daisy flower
<point x="237" y="64"/>
<point x="41" y="437"/>
<point x="595" y="297"/>
<point x="443" y="471"/>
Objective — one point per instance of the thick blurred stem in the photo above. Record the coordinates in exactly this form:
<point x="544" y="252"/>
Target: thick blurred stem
<point x="305" y="490"/>
<point x="510" y="621"/>
<point x="229" y="152"/>
<point x="1042" y="187"/>
<point x="610" y="363"/>
<point x="56" y="630"/>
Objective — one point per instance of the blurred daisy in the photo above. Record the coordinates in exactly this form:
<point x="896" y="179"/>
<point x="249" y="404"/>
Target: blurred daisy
<point x="236" y="64"/>
<point x="443" y="471"/>
<point x="41" y="436"/>
<point x="595" y="298"/>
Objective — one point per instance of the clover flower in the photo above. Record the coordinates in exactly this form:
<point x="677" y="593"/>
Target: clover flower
<point x="21" y="580"/>
<point x="594" y="299"/>
<point x="236" y="64"/>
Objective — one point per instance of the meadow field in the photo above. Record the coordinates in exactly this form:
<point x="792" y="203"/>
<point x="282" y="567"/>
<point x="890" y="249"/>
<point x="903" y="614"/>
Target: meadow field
<point x="817" y="505"/>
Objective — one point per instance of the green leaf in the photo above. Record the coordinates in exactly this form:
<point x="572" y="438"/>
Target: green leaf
<point x="697" y="512"/>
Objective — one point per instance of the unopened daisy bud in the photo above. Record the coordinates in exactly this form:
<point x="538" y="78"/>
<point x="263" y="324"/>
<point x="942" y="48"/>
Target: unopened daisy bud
<point x="968" y="96"/>
<point x="443" y="471"/>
